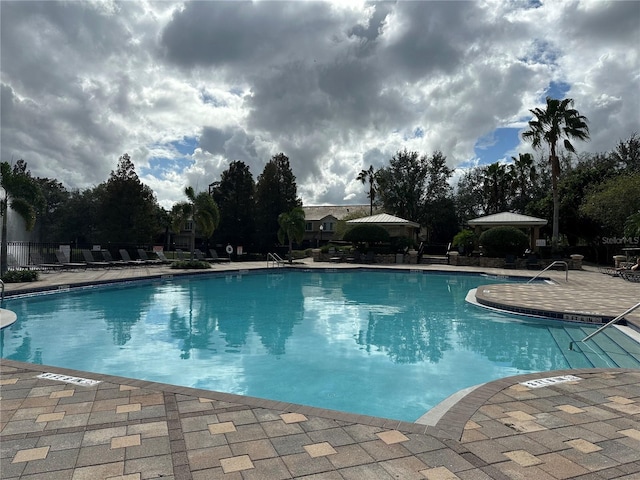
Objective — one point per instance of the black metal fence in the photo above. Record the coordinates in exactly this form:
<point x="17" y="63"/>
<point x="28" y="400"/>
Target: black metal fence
<point x="24" y="254"/>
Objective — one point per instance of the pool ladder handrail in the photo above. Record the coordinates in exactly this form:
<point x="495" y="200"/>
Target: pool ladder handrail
<point x="593" y="334"/>
<point x="556" y="262"/>
<point x="275" y="260"/>
<point x="2" y="294"/>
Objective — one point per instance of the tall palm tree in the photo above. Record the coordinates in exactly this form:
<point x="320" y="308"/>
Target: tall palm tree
<point x="369" y="175"/>
<point x="23" y="195"/>
<point x="559" y="121"/>
<point x="201" y="210"/>
<point x="291" y="226"/>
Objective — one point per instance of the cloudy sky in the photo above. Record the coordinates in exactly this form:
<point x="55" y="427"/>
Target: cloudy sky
<point x="185" y="88"/>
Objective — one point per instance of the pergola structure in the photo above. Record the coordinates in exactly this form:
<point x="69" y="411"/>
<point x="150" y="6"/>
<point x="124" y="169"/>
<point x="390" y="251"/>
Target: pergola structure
<point x="508" y="219"/>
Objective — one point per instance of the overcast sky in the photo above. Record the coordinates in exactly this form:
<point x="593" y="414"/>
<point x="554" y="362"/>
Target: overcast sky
<point x="186" y="88"/>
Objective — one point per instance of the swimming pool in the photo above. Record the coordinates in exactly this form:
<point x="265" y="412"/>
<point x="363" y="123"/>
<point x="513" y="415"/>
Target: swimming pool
<point x="383" y="343"/>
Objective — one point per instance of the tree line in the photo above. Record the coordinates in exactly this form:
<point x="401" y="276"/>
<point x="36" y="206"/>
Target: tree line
<point x="123" y="210"/>
<point x="588" y="196"/>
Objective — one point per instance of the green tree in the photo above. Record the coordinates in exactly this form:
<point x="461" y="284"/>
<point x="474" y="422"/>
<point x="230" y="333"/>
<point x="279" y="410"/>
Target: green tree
<point x="50" y="218"/>
<point x="127" y="210"/>
<point x="627" y="154"/>
<point x="21" y="194"/>
<point x="558" y="122"/>
<point x="524" y="176"/>
<point x="497" y="188"/>
<point x="401" y="184"/>
<point x="469" y="196"/>
<point x="276" y="192"/>
<point x="201" y="210"/>
<point x="292" y="227"/>
<point x="235" y="196"/>
<point x="613" y="202"/>
<point x="369" y="175"/>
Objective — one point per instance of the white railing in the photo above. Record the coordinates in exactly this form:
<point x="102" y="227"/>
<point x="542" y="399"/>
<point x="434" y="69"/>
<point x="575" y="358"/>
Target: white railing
<point x="618" y="318"/>
<point x="557" y="262"/>
<point x="274" y="260"/>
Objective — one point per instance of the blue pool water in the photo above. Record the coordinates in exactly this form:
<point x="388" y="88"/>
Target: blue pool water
<point x="377" y="343"/>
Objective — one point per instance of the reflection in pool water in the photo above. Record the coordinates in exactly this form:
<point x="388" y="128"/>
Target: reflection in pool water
<point x="390" y="344"/>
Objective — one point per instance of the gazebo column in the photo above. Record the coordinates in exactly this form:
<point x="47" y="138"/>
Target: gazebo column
<point x="534" y="237"/>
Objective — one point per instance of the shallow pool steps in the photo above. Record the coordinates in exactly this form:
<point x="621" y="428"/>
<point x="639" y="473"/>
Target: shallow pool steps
<point x="611" y="348"/>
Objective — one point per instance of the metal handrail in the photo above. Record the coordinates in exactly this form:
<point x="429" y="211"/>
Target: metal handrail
<point x="557" y="262"/>
<point x="274" y="259"/>
<point x="2" y="294"/>
<point x="593" y="334"/>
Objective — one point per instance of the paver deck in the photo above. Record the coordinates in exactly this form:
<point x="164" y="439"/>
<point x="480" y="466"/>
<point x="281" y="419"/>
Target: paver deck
<point x="121" y="428"/>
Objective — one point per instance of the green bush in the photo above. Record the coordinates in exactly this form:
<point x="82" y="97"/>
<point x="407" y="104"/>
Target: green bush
<point x="191" y="264"/>
<point x="20" y="276"/>
<point x="366" y="234"/>
<point x="501" y="241"/>
<point x="465" y="239"/>
<point x="400" y="244"/>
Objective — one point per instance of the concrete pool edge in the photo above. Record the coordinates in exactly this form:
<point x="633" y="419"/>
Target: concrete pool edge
<point x="450" y="424"/>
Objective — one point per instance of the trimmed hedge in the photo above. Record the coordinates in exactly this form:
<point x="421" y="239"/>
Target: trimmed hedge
<point x="20" y="276"/>
<point x="501" y="241"/>
<point x="191" y="264"/>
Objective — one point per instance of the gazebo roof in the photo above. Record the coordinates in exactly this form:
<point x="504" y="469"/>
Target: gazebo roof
<point x="507" y="218"/>
<point x="385" y="219"/>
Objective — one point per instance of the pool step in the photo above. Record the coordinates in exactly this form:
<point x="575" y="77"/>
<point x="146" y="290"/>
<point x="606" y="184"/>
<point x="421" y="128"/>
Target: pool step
<point x="609" y="349"/>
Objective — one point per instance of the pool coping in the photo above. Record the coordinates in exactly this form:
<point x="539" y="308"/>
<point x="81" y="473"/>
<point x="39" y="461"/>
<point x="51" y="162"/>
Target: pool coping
<point x="450" y="425"/>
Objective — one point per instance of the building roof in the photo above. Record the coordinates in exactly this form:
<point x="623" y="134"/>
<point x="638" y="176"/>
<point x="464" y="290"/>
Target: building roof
<point x="384" y="219"/>
<point x="319" y="212"/>
<point x="507" y="218"/>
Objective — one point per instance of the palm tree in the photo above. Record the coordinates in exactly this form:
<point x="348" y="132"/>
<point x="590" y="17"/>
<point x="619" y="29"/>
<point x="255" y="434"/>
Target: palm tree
<point x="23" y="195"/>
<point x="201" y="210"/>
<point x="369" y="175"/>
<point x="292" y="226"/>
<point x="558" y="121"/>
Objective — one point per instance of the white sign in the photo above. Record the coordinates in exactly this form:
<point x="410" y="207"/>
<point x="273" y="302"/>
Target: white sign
<point x="545" y="382"/>
<point x="84" y="382"/>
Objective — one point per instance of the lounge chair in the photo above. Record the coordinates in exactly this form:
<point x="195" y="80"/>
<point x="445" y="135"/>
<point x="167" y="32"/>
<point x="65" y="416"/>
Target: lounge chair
<point x="371" y="257"/>
<point x="40" y="264"/>
<point x="334" y="256"/>
<point x="200" y="256"/>
<point x="216" y="258"/>
<point x="66" y="264"/>
<point x="181" y="255"/>
<point x="91" y="262"/>
<point x="128" y="260"/>
<point x="143" y="256"/>
<point x="510" y="261"/>
<point x="114" y="263"/>
<point x="532" y="262"/>
<point x="163" y="258"/>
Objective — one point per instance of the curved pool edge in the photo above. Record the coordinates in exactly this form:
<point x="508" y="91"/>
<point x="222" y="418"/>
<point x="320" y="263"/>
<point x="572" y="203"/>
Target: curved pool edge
<point x="7" y="317"/>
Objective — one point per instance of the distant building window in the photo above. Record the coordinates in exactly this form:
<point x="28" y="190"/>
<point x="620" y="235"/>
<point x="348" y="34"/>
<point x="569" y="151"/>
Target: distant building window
<point x="188" y="226"/>
<point x="327" y="226"/>
<point x="308" y="227"/>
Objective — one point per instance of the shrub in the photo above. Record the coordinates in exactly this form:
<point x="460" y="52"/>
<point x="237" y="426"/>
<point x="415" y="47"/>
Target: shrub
<point x="366" y="234"/>
<point x="501" y="241"/>
<point x="400" y="244"/>
<point x="191" y="264"/>
<point x="465" y="241"/>
<point x="19" y="276"/>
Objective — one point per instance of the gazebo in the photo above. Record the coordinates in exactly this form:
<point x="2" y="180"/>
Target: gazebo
<point x="396" y="226"/>
<point x="532" y="224"/>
